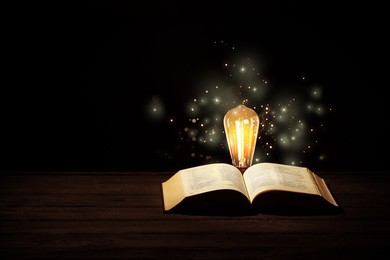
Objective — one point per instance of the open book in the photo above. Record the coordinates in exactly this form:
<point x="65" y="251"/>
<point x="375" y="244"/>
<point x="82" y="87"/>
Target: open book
<point x="263" y="187"/>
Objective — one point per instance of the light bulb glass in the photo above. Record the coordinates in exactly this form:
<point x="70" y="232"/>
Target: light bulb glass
<point x="241" y="128"/>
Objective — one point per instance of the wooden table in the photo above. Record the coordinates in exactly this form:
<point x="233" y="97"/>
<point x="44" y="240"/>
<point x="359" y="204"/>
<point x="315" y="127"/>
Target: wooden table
<point x="118" y="215"/>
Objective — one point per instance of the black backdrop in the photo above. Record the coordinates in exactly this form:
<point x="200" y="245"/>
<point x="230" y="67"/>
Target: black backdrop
<point x="78" y="74"/>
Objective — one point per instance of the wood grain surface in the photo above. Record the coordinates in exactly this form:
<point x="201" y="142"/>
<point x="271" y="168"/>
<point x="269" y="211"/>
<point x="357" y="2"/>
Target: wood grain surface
<point x="118" y="215"/>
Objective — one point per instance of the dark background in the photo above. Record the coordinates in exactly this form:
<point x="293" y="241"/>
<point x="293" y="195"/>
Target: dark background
<point x="77" y="76"/>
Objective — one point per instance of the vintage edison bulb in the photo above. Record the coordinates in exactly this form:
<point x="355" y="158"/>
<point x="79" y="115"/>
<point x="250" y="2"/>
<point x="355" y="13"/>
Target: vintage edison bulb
<point x="241" y="128"/>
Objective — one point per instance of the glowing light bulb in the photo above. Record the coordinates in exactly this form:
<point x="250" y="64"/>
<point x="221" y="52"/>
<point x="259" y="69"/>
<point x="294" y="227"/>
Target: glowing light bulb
<point x="241" y="128"/>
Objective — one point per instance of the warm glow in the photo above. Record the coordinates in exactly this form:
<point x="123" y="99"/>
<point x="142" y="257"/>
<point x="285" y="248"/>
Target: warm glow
<point x="241" y="128"/>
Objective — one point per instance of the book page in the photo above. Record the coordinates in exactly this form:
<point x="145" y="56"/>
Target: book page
<point x="210" y="177"/>
<point x="324" y="189"/>
<point x="270" y="176"/>
<point x="172" y="191"/>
